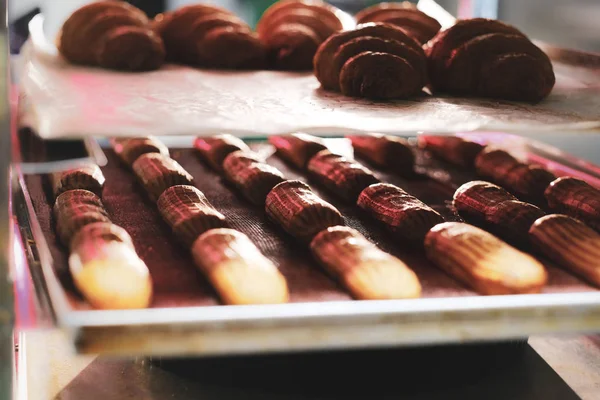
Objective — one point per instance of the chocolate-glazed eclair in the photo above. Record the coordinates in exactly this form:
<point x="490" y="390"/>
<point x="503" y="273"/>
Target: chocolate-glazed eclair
<point x="69" y="223"/>
<point x="129" y="149"/>
<point x="157" y="172"/>
<point x="237" y="269"/>
<point x="88" y="177"/>
<point x="339" y="175"/>
<point x="108" y="272"/>
<point x="359" y="265"/>
<point x="404" y="15"/>
<point x="388" y="152"/>
<point x="405" y="215"/>
<point x="569" y="243"/>
<point x="375" y="60"/>
<point x="488" y="58"/>
<point x="101" y="230"/>
<point x="527" y="182"/>
<point x="211" y="37"/>
<point x="76" y="198"/>
<point x="453" y="149"/>
<point x="112" y="35"/>
<point x="188" y="212"/>
<point x="214" y="149"/>
<point x="251" y="176"/>
<point x="473" y="199"/>
<point x="300" y="212"/>
<point x="482" y="261"/>
<point x="511" y="220"/>
<point x="297" y="148"/>
<point x="292" y="30"/>
<point x="575" y="198"/>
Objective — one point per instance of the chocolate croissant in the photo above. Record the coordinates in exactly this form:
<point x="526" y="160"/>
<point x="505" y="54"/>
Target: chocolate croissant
<point x="404" y="15"/>
<point x="375" y="61"/>
<point x="112" y="35"/>
<point x="487" y="58"/>
<point x="292" y="30"/>
<point x="210" y="37"/>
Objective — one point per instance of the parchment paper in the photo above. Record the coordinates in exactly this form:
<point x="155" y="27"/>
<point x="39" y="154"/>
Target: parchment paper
<point x="60" y="100"/>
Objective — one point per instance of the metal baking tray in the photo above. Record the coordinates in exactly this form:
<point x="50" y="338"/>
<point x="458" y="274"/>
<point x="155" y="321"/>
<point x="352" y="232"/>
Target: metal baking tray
<point x="187" y="319"/>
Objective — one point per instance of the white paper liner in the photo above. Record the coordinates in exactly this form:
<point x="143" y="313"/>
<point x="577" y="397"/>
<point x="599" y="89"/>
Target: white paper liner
<point x="61" y="100"/>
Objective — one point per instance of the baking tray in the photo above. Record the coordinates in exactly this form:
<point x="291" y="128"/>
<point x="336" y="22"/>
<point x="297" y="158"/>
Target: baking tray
<point x="187" y="319"/>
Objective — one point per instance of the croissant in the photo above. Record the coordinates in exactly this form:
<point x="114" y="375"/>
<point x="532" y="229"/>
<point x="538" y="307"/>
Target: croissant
<point x="404" y="15"/>
<point x="376" y="61"/>
<point x="292" y="30"/>
<point x="111" y="35"/>
<point x="488" y="58"/>
<point x="211" y="37"/>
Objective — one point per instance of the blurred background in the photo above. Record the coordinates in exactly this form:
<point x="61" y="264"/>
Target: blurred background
<point x="573" y="24"/>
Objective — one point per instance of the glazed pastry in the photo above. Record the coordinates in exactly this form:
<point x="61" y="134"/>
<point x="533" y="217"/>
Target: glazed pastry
<point x="569" y="243"/>
<point x="297" y="148"/>
<point x="387" y="152"/>
<point x="527" y="182"/>
<point x="129" y="149"/>
<point x="488" y="58"/>
<point x="299" y="211"/>
<point x="237" y="269"/>
<point x="375" y="61"/>
<point x="68" y="224"/>
<point x="473" y="199"/>
<point x="292" y="30"/>
<point x="482" y="261"/>
<point x="252" y="177"/>
<point x="575" y="198"/>
<point x="404" y="15"/>
<point x="157" y="173"/>
<point x="365" y="270"/>
<point x="341" y="176"/>
<point x="88" y="177"/>
<point x="108" y="272"/>
<point x="76" y="198"/>
<point x="405" y="215"/>
<point x="214" y="149"/>
<point x="103" y="231"/>
<point x="453" y="149"/>
<point x="211" y="37"/>
<point x="112" y="35"/>
<point x="188" y="212"/>
<point x="511" y="221"/>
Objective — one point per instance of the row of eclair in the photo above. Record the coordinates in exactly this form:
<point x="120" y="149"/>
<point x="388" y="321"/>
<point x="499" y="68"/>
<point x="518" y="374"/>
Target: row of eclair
<point x="388" y="51"/>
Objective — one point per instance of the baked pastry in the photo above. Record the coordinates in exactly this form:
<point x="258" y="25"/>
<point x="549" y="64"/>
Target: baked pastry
<point x="129" y="149"/>
<point x="569" y="243"/>
<point x="388" y="152"/>
<point x="211" y="37"/>
<point x="482" y="261"/>
<point x="473" y="199"/>
<point x="511" y="221"/>
<point x="292" y="30"/>
<point x="157" y="173"/>
<point x="527" y="182"/>
<point x="188" y="212"/>
<point x="237" y="269"/>
<point x="300" y="212"/>
<point x="297" y="148"/>
<point x="454" y="149"/>
<point x="365" y="270"/>
<point x="575" y="198"/>
<point x="340" y="176"/>
<point x="113" y="35"/>
<point x="404" y="215"/>
<point x="488" y="58"/>
<point x="88" y="177"/>
<point x="214" y="149"/>
<point x="252" y="177"/>
<point x="404" y="15"/>
<point x="375" y="61"/>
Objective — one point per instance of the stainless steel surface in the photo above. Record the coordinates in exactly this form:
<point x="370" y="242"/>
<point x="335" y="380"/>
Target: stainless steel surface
<point x="6" y="290"/>
<point x="222" y="330"/>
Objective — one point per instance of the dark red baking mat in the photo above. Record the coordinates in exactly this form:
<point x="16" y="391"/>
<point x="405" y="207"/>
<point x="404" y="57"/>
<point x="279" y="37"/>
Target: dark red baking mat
<point x="177" y="283"/>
